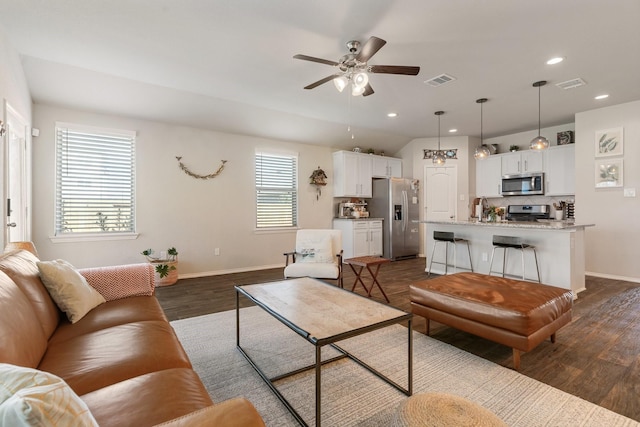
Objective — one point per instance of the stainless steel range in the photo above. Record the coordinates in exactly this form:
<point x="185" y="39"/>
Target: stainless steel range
<point x="527" y="212"/>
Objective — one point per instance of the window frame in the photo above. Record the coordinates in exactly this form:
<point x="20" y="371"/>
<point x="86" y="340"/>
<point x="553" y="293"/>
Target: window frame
<point x="294" y="190"/>
<point x="58" y="234"/>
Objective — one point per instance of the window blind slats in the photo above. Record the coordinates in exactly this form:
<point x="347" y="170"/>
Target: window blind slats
<point x="276" y="191"/>
<point x="95" y="181"/>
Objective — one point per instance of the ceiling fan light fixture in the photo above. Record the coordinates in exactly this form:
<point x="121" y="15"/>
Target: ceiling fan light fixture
<point x="360" y="79"/>
<point x="340" y="83"/>
<point x="357" y="90"/>
<point x="539" y="142"/>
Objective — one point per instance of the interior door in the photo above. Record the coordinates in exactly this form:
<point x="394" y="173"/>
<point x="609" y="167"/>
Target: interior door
<point x="440" y="192"/>
<point x="16" y="185"/>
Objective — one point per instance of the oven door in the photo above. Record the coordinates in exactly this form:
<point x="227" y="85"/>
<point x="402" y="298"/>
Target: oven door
<point x="519" y="185"/>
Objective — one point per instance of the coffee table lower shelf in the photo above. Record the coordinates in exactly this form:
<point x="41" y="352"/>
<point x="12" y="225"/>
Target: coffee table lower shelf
<point x="319" y="343"/>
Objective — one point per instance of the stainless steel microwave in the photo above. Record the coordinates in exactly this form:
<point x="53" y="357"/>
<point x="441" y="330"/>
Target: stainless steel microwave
<point x="522" y="184"/>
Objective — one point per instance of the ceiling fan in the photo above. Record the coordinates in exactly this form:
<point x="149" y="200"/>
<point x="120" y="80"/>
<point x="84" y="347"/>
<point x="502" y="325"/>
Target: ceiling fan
<point x="353" y="67"/>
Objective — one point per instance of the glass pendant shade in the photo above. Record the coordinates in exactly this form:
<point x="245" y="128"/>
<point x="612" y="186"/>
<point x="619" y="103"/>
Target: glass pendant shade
<point x="482" y="152"/>
<point x="340" y="83"/>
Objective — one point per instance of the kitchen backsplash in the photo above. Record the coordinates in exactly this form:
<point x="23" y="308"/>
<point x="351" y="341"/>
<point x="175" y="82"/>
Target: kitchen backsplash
<point x="529" y="200"/>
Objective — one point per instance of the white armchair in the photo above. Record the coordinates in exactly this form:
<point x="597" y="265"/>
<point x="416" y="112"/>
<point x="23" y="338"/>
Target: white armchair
<point x="318" y="254"/>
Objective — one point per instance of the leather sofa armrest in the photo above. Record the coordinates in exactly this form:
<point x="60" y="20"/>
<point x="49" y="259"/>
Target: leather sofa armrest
<point x="121" y="281"/>
<point x="233" y="412"/>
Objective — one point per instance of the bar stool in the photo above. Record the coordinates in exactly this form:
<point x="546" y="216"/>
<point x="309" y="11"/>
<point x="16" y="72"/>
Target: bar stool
<point x="448" y="237"/>
<point x="511" y="242"/>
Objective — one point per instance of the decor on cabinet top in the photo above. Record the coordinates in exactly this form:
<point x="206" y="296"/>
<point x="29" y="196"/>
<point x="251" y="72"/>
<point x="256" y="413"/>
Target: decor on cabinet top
<point x="186" y="170"/>
<point x="609" y="142"/>
<point x="565" y="137"/>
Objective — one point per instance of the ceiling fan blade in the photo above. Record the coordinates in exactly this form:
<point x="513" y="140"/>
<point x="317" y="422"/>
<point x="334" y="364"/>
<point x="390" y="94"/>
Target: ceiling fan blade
<point x="370" y="48"/>
<point x="322" y="81"/>
<point x="312" y="59"/>
<point x="368" y="90"/>
<point x="395" y="69"/>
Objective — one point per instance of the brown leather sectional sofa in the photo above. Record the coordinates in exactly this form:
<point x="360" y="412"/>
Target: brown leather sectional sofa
<point x="122" y="359"/>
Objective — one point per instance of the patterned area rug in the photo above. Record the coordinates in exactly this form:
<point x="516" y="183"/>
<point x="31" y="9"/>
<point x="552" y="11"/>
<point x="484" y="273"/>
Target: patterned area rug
<point x="351" y="396"/>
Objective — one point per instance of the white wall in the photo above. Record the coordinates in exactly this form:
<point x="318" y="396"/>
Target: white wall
<point x="173" y="209"/>
<point x="15" y="92"/>
<point x="612" y="245"/>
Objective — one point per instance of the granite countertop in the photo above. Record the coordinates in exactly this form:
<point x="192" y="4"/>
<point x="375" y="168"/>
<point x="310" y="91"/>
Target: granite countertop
<point x="541" y="225"/>
<point x="361" y="219"/>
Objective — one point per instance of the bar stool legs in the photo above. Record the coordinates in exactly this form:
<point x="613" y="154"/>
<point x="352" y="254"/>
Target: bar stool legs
<point x="448" y="237"/>
<point x="509" y="242"/>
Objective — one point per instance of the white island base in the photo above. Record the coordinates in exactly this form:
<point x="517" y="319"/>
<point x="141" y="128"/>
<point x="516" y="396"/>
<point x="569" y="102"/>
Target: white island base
<point x="559" y="247"/>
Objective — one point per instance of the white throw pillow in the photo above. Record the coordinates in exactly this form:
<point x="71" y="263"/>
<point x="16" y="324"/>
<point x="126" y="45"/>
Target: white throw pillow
<point x="29" y="397"/>
<point x="314" y="250"/>
<point x="69" y="289"/>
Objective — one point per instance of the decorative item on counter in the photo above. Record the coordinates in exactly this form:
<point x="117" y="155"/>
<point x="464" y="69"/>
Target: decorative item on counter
<point x="559" y="207"/>
<point x="494" y="212"/>
<point x="195" y="175"/>
<point x="318" y="179"/>
<point x="513" y="148"/>
<point x="565" y="137"/>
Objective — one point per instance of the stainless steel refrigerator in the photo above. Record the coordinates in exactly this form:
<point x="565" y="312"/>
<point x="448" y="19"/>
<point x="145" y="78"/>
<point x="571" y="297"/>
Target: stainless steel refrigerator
<point x="395" y="200"/>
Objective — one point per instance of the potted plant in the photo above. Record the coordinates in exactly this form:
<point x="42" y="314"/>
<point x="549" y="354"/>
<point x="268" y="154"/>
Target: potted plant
<point x="513" y="148"/>
<point x="166" y="266"/>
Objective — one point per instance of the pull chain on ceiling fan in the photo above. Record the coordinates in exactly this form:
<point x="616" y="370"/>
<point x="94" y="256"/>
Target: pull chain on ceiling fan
<point x="353" y="68"/>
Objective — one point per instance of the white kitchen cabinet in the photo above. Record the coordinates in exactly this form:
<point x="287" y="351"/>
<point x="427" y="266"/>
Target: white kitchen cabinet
<point x="489" y="176"/>
<point x="352" y="174"/>
<point x="386" y="167"/>
<point x="560" y="170"/>
<point x="360" y="237"/>
<point x="522" y="162"/>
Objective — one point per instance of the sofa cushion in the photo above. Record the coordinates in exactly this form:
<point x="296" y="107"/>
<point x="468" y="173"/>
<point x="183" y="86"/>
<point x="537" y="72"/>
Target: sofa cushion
<point x="69" y="289"/>
<point x="159" y="396"/>
<point x="18" y="321"/>
<point x="91" y="361"/>
<point x="29" y="397"/>
<point x="21" y="267"/>
<point x="109" y="314"/>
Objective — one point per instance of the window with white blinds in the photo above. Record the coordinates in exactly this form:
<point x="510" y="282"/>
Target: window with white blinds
<point x="95" y="180"/>
<point x="276" y="190"/>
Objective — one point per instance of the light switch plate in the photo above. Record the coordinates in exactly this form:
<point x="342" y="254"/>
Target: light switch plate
<point x="629" y="192"/>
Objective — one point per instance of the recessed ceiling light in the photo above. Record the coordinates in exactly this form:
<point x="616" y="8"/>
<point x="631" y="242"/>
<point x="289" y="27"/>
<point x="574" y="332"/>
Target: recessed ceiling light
<point x="602" y="96"/>
<point x="555" y="60"/>
<point x="453" y="130"/>
<point x="392" y="115"/>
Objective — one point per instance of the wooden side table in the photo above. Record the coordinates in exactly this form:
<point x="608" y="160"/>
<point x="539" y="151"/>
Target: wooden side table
<point x="367" y="262"/>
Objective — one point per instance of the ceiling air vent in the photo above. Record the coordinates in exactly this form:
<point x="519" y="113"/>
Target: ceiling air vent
<point x="440" y="80"/>
<point x="570" y="84"/>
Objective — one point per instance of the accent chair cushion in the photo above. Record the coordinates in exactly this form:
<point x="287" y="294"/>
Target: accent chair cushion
<point x="317" y="270"/>
<point x="69" y="289"/>
<point x="29" y="397"/>
<point x="314" y="248"/>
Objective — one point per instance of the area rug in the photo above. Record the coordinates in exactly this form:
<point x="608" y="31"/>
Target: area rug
<point x="352" y="396"/>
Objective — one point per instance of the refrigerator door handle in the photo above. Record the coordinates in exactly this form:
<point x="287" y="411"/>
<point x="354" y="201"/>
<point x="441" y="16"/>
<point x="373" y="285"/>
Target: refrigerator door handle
<point x="405" y="208"/>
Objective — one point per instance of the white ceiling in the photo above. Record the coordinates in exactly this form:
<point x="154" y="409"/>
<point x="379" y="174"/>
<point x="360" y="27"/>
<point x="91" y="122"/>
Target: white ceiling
<point x="228" y="65"/>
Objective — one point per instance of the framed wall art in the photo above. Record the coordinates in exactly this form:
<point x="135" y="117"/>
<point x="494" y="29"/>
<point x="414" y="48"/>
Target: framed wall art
<point x="609" y="142"/>
<point x="609" y="173"/>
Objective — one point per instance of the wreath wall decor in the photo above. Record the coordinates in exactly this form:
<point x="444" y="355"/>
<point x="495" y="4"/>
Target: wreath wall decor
<point x="195" y="175"/>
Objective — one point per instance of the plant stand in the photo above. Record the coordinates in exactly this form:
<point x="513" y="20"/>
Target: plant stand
<point x="171" y="278"/>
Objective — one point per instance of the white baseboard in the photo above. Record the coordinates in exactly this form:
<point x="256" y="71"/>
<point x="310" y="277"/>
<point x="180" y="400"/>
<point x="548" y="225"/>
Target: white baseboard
<point x="613" y="276"/>
<point x="231" y="271"/>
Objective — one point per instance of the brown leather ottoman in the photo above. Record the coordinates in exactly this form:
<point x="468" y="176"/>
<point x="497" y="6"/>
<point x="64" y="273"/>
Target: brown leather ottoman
<point x="514" y="313"/>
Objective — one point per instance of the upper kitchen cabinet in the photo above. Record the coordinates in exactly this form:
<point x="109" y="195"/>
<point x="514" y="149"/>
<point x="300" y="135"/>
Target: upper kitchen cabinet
<point x="386" y="167"/>
<point x="560" y="168"/>
<point x="489" y="176"/>
<point x="522" y="162"/>
<point x="352" y="174"/>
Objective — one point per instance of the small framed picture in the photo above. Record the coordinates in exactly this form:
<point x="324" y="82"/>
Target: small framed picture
<point x="565" y="137"/>
<point x="609" y="142"/>
<point x="609" y="173"/>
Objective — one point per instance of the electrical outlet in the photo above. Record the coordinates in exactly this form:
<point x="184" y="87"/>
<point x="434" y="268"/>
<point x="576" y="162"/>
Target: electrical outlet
<point x="629" y="192"/>
<point x="216" y="251"/>
<point x="485" y="256"/>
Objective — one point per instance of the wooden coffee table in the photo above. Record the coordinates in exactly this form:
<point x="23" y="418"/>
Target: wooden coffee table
<point x="367" y="262"/>
<point x="322" y="314"/>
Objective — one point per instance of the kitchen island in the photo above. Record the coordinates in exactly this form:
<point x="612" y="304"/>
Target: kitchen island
<point x="559" y="246"/>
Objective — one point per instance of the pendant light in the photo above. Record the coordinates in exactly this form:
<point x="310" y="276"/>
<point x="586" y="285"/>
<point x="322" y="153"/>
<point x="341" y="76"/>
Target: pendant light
<point x="438" y="157"/>
<point x="482" y="152"/>
<point x="539" y="142"/>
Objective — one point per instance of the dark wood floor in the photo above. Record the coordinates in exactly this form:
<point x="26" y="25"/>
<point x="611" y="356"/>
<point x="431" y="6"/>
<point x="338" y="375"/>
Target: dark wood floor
<point x="595" y="357"/>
